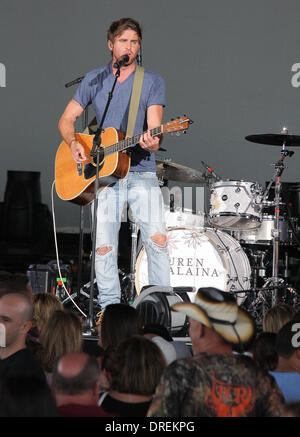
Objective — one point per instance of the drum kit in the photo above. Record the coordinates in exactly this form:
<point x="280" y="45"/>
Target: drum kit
<point x="245" y="242"/>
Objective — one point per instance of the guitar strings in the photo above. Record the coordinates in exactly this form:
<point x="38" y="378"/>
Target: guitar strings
<point x="127" y="142"/>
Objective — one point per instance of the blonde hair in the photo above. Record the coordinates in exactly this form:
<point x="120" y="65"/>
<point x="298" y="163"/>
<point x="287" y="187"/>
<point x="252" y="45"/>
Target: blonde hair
<point x="44" y="304"/>
<point x="277" y="316"/>
<point x="62" y="334"/>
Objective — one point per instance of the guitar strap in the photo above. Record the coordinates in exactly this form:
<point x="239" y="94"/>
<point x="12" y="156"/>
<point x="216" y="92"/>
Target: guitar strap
<point x="135" y="99"/>
<point x="133" y="108"/>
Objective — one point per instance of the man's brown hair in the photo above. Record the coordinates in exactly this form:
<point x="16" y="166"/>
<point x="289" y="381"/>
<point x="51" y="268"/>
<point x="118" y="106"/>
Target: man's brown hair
<point x="118" y="27"/>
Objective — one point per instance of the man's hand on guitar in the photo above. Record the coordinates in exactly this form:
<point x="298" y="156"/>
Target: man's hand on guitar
<point x="148" y="142"/>
<point x="77" y="151"/>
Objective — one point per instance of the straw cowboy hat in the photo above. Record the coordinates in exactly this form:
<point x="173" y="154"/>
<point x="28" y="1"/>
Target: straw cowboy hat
<point x="219" y="310"/>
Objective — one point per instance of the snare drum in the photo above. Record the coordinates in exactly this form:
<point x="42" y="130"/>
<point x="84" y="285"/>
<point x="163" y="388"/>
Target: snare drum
<point x="235" y="205"/>
<point x="201" y="258"/>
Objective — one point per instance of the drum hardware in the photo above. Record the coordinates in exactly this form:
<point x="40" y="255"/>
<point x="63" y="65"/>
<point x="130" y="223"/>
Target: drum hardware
<point x="134" y="240"/>
<point x="284" y="140"/>
<point x="210" y="173"/>
<point x="260" y="299"/>
<point x="127" y="280"/>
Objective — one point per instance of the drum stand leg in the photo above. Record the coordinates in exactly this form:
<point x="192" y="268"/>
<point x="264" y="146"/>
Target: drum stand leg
<point x="134" y="239"/>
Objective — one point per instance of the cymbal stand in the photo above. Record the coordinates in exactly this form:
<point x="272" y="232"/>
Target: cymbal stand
<point x="279" y="167"/>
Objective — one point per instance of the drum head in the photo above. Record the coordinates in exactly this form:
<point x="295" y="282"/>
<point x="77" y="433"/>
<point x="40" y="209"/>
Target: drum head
<point x="209" y="258"/>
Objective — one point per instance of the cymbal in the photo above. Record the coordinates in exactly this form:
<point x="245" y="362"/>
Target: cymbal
<point x="180" y="173"/>
<point x="275" y="139"/>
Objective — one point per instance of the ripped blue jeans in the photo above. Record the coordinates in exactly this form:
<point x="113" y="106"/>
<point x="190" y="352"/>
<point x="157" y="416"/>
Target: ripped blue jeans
<point x="141" y="191"/>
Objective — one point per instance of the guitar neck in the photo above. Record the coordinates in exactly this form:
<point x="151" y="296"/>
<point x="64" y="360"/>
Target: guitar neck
<point x="129" y="142"/>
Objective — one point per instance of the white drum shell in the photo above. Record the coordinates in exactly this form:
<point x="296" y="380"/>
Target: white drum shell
<point x="264" y="234"/>
<point x="202" y="258"/>
<point x="235" y="205"/>
<point x="184" y="218"/>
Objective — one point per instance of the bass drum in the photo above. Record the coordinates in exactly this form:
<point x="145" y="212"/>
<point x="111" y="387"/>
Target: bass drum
<point x="202" y="258"/>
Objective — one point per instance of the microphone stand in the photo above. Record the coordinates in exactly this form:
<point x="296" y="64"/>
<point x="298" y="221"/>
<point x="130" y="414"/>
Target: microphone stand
<point x="95" y="153"/>
<point x="81" y="213"/>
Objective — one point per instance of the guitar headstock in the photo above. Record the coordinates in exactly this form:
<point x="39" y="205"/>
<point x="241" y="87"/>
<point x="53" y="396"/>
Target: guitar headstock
<point x="177" y="125"/>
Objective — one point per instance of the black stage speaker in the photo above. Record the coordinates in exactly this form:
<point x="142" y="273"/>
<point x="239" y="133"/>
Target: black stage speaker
<point x="154" y="306"/>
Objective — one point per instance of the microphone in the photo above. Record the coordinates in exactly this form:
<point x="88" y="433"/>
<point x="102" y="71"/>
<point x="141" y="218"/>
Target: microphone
<point x="210" y="171"/>
<point x="74" y="82"/>
<point x="121" y="62"/>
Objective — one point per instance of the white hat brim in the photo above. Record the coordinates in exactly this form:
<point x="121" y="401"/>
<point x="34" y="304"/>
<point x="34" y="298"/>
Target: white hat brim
<point x="242" y="332"/>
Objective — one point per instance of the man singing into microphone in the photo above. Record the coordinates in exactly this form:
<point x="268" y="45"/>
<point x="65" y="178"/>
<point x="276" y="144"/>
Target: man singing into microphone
<point x="140" y="187"/>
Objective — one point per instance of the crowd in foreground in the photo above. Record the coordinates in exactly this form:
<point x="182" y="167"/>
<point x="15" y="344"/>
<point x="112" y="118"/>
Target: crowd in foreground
<point x="48" y="368"/>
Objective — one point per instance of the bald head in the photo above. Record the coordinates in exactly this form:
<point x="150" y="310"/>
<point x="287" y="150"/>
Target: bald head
<point x="15" y="315"/>
<point x="71" y="365"/>
<point x="75" y="373"/>
<point x="17" y="304"/>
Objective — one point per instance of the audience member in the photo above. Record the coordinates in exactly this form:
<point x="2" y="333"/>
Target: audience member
<point x="216" y="382"/>
<point x="15" y="283"/>
<point x="75" y="383"/>
<point x="277" y="316"/>
<point x="291" y="409"/>
<point x="133" y="368"/>
<point x="158" y="335"/>
<point x="26" y="396"/>
<point x="264" y="351"/>
<point x="118" y="322"/>
<point x="44" y="304"/>
<point x="287" y="373"/>
<point x="182" y="350"/>
<point x="16" y="313"/>
<point x="62" y="334"/>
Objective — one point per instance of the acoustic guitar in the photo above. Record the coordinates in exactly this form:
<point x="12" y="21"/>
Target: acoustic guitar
<point x="74" y="182"/>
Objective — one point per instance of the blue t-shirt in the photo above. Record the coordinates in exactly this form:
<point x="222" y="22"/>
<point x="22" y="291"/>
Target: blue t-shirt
<point x="289" y="384"/>
<point x="95" y="89"/>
